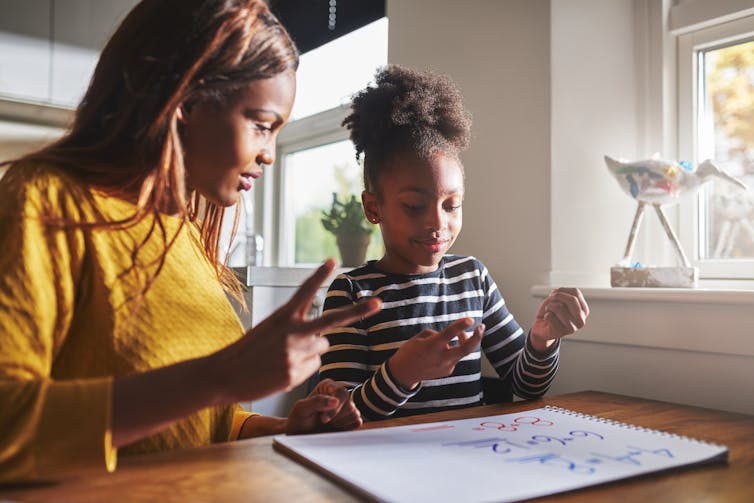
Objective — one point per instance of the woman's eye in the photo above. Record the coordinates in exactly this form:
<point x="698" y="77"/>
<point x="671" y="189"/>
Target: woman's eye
<point x="262" y="128"/>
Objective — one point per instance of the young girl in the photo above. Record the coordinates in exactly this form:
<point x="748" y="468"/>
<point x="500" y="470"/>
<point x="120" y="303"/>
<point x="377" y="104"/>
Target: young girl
<point x="421" y="352"/>
<point x="116" y="331"/>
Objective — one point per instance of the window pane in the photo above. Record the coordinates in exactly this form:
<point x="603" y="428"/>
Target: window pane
<point x="726" y="134"/>
<point x="329" y="75"/>
<point x="311" y="177"/>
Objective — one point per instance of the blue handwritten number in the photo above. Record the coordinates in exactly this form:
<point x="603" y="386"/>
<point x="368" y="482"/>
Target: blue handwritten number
<point x="580" y="433"/>
<point x="554" y="460"/>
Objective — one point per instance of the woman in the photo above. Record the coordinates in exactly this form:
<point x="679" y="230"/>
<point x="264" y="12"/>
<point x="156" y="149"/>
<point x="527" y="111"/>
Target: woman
<point x="117" y="333"/>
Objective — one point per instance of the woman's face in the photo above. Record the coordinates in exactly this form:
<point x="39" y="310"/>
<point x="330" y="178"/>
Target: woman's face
<point x="419" y="211"/>
<point x="226" y="144"/>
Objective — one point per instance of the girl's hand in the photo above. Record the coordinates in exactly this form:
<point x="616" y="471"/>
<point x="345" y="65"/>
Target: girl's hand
<point x="283" y="350"/>
<point x="328" y="407"/>
<point x="563" y="312"/>
<point x="430" y="355"/>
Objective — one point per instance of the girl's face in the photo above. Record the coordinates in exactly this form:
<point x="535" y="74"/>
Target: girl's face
<point x="226" y="144"/>
<point x="419" y="211"/>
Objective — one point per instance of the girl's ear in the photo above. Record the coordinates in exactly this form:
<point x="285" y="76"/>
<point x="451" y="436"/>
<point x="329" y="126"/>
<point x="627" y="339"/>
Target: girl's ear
<point x="369" y="201"/>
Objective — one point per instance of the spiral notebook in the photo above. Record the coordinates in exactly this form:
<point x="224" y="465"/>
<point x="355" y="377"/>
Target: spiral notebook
<point x="502" y="458"/>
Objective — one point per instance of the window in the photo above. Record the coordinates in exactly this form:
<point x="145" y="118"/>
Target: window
<point x="716" y="121"/>
<point x="280" y="223"/>
<point x="328" y="75"/>
<point x="311" y="176"/>
<point x="315" y="157"/>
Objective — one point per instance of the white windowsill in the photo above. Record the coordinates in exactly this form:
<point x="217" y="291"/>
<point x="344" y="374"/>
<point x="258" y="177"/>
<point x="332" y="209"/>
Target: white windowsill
<point x="706" y="294"/>
<point x="707" y="320"/>
<point x="280" y="276"/>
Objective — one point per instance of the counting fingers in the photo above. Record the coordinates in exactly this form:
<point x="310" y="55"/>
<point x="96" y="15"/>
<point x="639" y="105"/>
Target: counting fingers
<point x="455" y="329"/>
<point x="343" y="315"/>
<point x="561" y="313"/>
<point x="569" y="308"/>
<point x="302" y="299"/>
<point x="470" y="343"/>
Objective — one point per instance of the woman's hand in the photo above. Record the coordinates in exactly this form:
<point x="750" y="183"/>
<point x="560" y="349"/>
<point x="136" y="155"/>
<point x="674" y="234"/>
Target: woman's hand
<point x="430" y="354"/>
<point x="328" y="407"/>
<point x="563" y="312"/>
<point x="284" y="349"/>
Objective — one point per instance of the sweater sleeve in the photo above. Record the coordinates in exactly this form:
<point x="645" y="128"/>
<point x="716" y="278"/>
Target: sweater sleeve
<point x="522" y="370"/>
<point x="239" y="418"/>
<point x="375" y="393"/>
<point x="50" y="427"/>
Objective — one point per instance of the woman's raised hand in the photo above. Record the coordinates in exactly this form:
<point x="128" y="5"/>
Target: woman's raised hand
<point x="283" y="350"/>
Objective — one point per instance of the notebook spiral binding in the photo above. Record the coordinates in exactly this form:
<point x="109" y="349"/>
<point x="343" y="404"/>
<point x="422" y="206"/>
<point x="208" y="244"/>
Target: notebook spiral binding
<point x="628" y="426"/>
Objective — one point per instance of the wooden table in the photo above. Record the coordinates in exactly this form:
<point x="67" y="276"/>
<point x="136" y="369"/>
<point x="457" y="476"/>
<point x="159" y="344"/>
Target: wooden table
<point x="250" y="470"/>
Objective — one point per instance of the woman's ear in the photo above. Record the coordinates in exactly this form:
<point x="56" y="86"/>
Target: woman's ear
<point x="183" y="113"/>
<point x="369" y="201"/>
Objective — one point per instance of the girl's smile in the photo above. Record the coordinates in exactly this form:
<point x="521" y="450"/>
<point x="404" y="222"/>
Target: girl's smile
<point x="435" y="245"/>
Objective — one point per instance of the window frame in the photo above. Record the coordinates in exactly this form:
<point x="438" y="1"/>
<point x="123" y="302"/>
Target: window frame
<point x="304" y="133"/>
<point x="689" y="46"/>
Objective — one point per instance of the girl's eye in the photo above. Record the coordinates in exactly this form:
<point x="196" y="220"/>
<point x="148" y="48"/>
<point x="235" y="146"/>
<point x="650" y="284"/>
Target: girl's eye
<point x="452" y="205"/>
<point x="413" y="207"/>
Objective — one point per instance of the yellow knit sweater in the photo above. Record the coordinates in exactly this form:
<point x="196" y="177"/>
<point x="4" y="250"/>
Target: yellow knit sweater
<point x="69" y="324"/>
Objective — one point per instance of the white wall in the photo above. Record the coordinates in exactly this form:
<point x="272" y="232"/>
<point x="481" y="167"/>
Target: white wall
<point x="595" y="111"/>
<point x="498" y="54"/>
<point x="20" y="139"/>
<point x="695" y="351"/>
<point x="553" y="86"/>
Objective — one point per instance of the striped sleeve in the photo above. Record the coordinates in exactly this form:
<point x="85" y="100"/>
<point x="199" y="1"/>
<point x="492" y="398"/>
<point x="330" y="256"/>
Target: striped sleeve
<point x="374" y="391"/>
<point x="381" y="396"/>
<point x="535" y="372"/>
<point x="346" y="359"/>
<point x="524" y="371"/>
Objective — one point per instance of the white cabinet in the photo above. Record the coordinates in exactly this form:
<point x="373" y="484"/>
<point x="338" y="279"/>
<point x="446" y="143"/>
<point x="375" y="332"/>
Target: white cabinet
<point x="49" y="48"/>
<point x="270" y="288"/>
<point x="81" y="29"/>
<point x="25" y="49"/>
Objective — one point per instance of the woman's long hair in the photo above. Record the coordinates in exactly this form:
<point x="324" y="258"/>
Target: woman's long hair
<point x="125" y="135"/>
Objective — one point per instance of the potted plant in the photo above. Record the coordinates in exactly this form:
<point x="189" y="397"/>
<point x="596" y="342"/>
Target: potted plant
<point x="352" y="232"/>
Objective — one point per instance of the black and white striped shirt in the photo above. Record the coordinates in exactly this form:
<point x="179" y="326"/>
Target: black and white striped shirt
<point x="460" y="287"/>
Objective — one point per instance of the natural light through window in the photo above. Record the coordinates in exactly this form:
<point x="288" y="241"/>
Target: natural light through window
<point x="726" y="134"/>
<point x="317" y="159"/>
<point x="313" y="175"/>
<point x="329" y="75"/>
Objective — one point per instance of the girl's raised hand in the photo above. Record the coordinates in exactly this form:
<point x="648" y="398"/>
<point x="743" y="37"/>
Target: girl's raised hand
<point x="430" y="354"/>
<point x="563" y="312"/>
<point x="284" y="349"/>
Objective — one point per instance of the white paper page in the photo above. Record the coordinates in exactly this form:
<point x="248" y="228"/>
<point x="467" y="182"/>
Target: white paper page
<point x="498" y="458"/>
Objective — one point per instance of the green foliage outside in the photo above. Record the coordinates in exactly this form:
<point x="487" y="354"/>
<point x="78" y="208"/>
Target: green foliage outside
<point x="730" y="84"/>
<point x="314" y="243"/>
<point x="345" y="217"/>
<point x="730" y="88"/>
